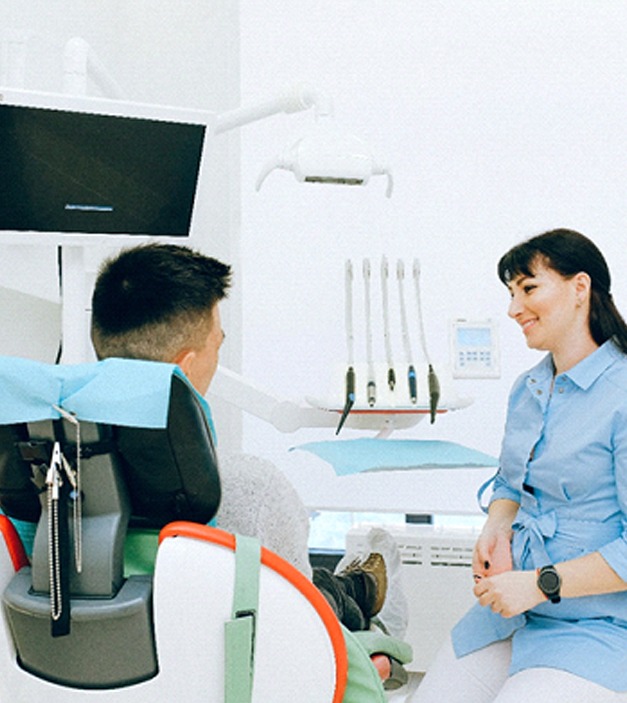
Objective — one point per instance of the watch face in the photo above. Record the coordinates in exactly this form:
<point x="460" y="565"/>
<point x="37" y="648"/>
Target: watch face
<point x="550" y="581"/>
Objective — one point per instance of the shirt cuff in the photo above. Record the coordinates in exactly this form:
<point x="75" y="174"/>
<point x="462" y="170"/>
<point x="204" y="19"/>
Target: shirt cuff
<point x="502" y="491"/>
<point x="615" y="554"/>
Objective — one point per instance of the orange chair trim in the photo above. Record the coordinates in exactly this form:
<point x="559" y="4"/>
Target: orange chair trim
<point x="14" y="543"/>
<point x="285" y="569"/>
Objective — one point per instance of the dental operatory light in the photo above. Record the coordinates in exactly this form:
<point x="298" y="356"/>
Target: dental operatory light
<point x="327" y="155"/>
<point x="324" y="155"/>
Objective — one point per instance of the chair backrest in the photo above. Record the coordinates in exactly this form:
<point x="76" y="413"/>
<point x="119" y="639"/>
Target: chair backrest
<point x="111" y="475"/>
<point x="169" y="467"/>
<point x="141" y="639"/>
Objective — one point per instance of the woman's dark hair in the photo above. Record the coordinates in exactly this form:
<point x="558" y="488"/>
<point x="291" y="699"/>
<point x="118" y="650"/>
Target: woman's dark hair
<point x="569" y="253"/>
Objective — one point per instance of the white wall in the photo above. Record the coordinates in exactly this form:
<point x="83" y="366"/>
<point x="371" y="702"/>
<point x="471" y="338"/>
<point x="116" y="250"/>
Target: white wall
<point x="499" y="119"/>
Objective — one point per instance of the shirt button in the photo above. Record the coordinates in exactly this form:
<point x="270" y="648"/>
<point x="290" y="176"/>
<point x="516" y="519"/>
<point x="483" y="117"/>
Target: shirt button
<point x="561" y="390"/>
<point x="539" y="391"/>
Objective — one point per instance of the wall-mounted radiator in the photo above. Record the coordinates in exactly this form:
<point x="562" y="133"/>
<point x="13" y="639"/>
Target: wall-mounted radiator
<point x="436" y="575"/>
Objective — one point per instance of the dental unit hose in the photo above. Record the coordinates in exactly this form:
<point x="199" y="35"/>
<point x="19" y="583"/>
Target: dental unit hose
<point x="411" y="371"/>
<point x="386" y="323"/>
<point x="372" y="386"/>
<point x="432" y="379"/>
<point x="349" y="400"/>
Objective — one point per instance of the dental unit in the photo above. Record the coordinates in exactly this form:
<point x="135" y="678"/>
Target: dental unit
<point x="370" y="396"/>
<point x="379" y="410"/>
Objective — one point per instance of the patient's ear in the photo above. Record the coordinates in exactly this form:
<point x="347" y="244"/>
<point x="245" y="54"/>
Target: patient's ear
<point x="185" y="360"/>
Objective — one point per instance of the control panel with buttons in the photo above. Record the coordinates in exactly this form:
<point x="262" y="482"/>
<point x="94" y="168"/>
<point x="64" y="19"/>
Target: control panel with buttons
<point x="474" y="349"/>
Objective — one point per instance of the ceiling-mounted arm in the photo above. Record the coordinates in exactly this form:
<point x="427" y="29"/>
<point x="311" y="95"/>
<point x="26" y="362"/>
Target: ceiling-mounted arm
<point x="296" y="98"/>
<point x="80" y="61"/>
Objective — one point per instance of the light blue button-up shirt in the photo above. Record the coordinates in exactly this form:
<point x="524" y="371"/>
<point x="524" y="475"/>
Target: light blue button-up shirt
<point x="564" y="460"/>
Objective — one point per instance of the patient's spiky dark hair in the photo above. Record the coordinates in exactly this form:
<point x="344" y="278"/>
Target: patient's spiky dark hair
<point x="152" y="300"/>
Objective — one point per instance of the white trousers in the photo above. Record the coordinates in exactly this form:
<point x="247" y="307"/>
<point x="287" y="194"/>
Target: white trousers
<point x="481" y="677"/>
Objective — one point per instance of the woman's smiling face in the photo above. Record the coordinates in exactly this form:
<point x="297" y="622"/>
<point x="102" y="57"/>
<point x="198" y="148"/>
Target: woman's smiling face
<point x="547" y="306"/>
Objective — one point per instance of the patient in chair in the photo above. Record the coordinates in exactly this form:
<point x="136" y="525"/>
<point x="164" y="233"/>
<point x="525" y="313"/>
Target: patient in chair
<point x="161" y="303"/>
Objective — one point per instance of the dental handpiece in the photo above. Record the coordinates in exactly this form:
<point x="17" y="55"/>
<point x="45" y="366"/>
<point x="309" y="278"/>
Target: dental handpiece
<point x="386" y="323"/>
<point x="350" y="397"/>
<point x="413" y="384"/>
<point x="434" y="392"/>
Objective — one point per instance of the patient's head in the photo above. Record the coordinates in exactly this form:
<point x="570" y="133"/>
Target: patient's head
<point x="160" y="302"/>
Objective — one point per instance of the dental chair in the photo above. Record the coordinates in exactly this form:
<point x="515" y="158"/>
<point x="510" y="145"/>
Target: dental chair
<point x="88" y="452"/>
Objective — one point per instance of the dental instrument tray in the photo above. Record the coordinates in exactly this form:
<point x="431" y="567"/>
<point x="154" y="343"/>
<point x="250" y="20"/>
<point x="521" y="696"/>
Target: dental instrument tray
<point x="394" y="408"/>
<point x="410" y="388"/>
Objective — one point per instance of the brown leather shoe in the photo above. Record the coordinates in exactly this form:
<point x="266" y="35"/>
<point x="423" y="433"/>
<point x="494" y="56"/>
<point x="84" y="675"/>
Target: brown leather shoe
<point x="376" y="581"/>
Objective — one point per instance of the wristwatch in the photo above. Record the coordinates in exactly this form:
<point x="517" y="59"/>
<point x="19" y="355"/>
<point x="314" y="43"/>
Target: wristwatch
<point x="549" y="582"/>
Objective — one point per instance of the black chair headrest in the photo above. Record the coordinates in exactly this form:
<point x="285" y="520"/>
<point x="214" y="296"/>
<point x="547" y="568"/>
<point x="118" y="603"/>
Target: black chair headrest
<point x="171" y="473"/>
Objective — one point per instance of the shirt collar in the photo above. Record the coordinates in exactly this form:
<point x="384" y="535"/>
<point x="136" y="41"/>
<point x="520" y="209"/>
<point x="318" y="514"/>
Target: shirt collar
<point x="586" y="372"/>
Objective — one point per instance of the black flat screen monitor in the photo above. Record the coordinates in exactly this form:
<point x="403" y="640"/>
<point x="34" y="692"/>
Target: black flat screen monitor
<point x="98" y="167"/>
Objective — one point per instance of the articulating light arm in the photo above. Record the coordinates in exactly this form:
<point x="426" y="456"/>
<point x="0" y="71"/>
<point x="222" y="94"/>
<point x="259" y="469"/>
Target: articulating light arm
<point x="325" y="155"/>
<point x="293" y="99"/>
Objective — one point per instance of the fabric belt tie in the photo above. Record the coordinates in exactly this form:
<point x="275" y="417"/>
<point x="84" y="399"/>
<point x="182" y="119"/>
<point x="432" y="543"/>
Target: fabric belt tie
<point x="533" y="530"/>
